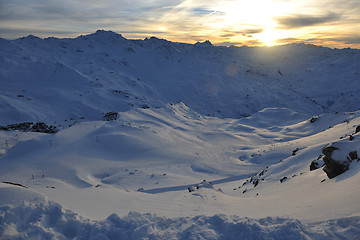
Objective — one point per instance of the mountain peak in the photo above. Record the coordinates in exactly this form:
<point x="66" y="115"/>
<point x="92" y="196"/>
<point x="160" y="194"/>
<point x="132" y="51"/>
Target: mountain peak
<point x="156" y="40"/>
<point x="30" y="37"/>
<point x="104" y="34"/>
<point x="206" y="43"/>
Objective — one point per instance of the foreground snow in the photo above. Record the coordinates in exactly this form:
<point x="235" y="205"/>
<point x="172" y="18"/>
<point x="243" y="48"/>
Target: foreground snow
<point x="48" y="220"/>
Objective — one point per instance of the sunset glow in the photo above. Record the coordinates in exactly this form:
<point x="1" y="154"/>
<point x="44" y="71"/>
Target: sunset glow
<point x="332" y="23"/>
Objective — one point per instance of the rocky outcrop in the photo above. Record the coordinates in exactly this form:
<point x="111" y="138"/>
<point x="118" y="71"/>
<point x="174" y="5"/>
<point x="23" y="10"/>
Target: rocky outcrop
<point x="111" y="116"/>
<point x="30" y="127"/>
<point x="332" y="167"/>
<point x="203" y="184"/>
<point x="338" y="156"/>
<point x="357" y="129"/>
<point x="317" y="163"/>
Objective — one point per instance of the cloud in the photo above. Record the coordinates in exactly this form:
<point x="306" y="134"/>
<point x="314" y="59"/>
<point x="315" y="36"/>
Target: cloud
<point x="241" y="33"/>
<point x="350" y="40"/>
<point x="348" y="5"/>
<point x="203" y="12"/>
<point x="220" y="21"/>
<point x="41" y="31"/>
<point x="229" y="44"/>
<point x="254" y="42"/>
<point x="335" y="41"/>
<point x="300" y="20"/>
<point x="75" y="9"/>
<point x="288" y="40"/>
<point x="55" y="17"/>
<point x="252" y="31"/>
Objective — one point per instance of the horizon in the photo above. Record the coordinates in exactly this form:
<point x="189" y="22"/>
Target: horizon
<point x="191" y="43"/>
<point x="327" y="23"/>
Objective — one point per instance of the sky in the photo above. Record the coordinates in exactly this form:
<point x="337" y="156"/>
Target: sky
<point x="330" y="23"/>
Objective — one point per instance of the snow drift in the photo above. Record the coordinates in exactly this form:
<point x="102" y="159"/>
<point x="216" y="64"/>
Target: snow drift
<point x="48" y="220"/>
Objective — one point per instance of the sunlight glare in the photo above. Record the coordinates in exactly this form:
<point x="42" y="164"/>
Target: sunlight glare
<point x="259" y="14"/>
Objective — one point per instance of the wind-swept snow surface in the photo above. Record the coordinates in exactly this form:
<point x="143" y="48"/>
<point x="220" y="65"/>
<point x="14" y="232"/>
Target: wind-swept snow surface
<point x="48" y="220"/>
<point x="156" y="139"/>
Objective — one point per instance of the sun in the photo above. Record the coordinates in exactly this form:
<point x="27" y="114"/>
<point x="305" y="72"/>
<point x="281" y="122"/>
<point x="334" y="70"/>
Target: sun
<point x="270" y="36"/>
<point x="257" y="14"/>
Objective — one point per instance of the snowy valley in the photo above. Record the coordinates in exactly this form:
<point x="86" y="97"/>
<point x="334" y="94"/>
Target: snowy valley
<point x="102" y="137"/>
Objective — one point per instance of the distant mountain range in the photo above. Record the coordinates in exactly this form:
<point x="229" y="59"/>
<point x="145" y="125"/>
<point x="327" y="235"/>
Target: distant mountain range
<point x="53" y="80"/>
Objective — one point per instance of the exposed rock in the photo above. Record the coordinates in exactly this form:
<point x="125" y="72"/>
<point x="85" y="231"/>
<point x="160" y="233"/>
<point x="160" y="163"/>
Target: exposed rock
<point x="357" y="129"/>
<point x="335" y="166"/>
<point x="295" y="151"/>
<point x="192" y="188"/>
<point x="353" y="155"/>
<point x="203" y="184"/>
<point x="283" y="179"/>
<point x="111" y="116"/>
<point x="42" y="127"/>
<point x="313" y="119"/>
<point x="332" y="167"/>
<point x="256" y="182"/>
<point x="30" y="127"/>
<point x="317" y="163"/>
<point x="314" y="165"/>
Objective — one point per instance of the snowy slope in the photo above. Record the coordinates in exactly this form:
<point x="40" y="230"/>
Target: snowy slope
<point x="207" y="143"/>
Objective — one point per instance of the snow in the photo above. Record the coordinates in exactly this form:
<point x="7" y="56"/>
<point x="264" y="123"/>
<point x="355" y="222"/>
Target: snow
<point x="209" y="142"/>
<point x="343" y="148"/>
<point x="50" y="220"/>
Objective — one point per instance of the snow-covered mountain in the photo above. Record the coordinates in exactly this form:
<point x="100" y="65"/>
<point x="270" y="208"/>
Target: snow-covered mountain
<point x="105" y="72"/>
<point x="195" y="141"/>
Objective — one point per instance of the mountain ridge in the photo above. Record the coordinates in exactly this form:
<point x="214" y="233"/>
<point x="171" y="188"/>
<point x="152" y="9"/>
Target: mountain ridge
<point x="215" y="81"/>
